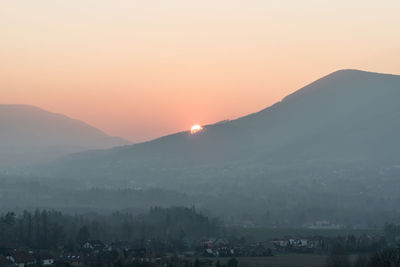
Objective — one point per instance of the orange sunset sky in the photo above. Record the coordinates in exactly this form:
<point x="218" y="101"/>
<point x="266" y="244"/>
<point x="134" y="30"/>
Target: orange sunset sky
<point x="142" y="69"/>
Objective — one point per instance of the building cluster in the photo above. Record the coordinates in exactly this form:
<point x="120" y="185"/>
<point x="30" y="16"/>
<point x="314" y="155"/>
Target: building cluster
<point x="319" y="244"/>
<point x="302" y="245"/>
<point x="220" y="247"/>
<point x="205" y="252"/>
<point x="92" y="253"/>
<point x="96" y="253"/>
<point x="23" y="257"/>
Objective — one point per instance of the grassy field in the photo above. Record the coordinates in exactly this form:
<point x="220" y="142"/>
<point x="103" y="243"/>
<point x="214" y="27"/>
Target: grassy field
<point x="285" y="260"/>
<point x="289" y="260"/>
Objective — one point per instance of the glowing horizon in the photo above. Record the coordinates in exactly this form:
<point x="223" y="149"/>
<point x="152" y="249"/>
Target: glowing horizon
<point x="143" y="69"/>
<point x="196" y="128"/>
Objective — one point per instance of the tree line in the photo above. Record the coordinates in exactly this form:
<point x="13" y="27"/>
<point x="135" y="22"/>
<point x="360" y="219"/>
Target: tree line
<point x="48" y="229"/>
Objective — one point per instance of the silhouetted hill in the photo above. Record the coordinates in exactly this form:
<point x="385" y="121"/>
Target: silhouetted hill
<point x="347" y="116"/>
<point x="30" y="135"/>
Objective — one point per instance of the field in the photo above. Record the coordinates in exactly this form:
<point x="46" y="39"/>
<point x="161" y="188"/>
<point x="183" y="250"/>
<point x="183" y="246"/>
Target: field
<point x="290" y="260"/>
<point x="285" y="260"/>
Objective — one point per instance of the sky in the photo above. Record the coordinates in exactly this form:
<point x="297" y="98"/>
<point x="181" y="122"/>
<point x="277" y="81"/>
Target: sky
<point x="144" y="69"/>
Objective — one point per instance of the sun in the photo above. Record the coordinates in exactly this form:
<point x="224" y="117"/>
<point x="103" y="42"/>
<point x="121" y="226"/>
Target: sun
<point x="196" y="128"/>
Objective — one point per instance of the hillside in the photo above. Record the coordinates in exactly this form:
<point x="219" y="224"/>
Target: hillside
<point x="31" y="135"/>
<point x="347" y="116"/>
<point x="332" y="144"/>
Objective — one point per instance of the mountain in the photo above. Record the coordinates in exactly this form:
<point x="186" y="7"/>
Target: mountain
<point x="31" y="135"/>
<point x="347" y="116"/>
<point x="322" y="152"/>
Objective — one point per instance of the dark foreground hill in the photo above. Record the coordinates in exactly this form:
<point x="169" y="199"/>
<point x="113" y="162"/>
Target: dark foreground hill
<point x="323" y="152"/>
<point x="30" y="135"/>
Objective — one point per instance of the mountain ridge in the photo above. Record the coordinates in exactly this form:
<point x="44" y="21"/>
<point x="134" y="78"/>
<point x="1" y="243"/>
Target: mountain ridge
<point x="320" y="154"/>
<point x="30" y="133"/>
<point x="249" y="124"/>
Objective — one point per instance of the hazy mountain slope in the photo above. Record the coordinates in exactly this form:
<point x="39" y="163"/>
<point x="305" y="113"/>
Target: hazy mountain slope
<point x="321" y="153"/>
<point x="30" y="135"/>
<point x="346" y="116"/>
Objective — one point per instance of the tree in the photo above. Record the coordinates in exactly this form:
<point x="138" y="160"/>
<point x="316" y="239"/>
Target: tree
<point x="361" y="261"/>
<point x="44" y="235"/>
<point x="338" y="258"/>
<point x="196" y="263"/>
<point x="391" y="232"/>
<point x="386" y="258"/>
<point x="28" y="218"/>
<point x="83" y="235"/>
<point x="9" y="218"/>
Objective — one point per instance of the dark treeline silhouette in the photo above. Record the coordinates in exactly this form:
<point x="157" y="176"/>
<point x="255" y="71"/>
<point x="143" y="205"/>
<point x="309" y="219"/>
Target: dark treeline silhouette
<point x="174" y="227"/>
<point x="388" y="257"/>
<point x="339" y="257"/>
<point x="392" y="234"/>
<point x="360" y="244"/>
<point x="381" y="252"/>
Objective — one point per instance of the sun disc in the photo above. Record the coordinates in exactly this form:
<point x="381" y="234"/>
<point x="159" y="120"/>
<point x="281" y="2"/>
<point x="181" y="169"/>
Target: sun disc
<point x="196" y="128"/>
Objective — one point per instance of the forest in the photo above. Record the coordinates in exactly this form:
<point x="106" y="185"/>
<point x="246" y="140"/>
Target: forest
<point x="171" y="229"/>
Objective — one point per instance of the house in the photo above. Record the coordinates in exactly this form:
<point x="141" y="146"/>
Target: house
<point x="210" y="253"/>
<point x="139" y="252"/>
<point x="21" y="258"/>
<point x="304" y="245"/>
<point x="280" y="245"/>
<point x="46" y="259"/>
<point x="95" y="245"/>
<point x="4" y="262"/>
<point x="118" y="246"/>
<point x="72" y="259"/>
<point x="220" y="242"/>
<point x="206" y="243"/>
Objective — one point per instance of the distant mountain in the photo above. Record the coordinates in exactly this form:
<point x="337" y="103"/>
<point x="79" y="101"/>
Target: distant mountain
<point x="347" y="116"/>
<point x="328" y="148"/>
<point x="31" y="135"/>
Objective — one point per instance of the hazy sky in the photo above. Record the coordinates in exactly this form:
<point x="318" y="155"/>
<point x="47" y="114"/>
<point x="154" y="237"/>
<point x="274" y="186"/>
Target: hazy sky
<point x="141" y="69"/>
